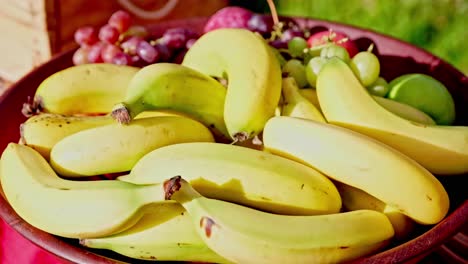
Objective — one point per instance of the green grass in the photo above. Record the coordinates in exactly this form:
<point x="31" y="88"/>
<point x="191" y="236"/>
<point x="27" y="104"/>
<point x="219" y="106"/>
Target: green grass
<point x="439" y="26"/>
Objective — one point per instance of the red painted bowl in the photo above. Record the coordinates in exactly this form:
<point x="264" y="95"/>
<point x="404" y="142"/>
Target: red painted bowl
<point x="397" y="57"/>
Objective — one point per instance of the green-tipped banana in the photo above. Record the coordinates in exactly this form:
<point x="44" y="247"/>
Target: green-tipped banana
<point x="345" y="102"/>
<point x="356" y="199"/>
<point x="241" y="175"/>
<point x="43" y="131"/>
<point x="253" y="73"/>
<point x="244" y="235"/>
<point x="165" y="232"/>
<point x="296" y="105"/>
<point x="116" y="148"/>
<point x="403" y="110"/>
<point x="174" y="87"/>
<point x="84" y="89"/>
<point x="74" y="209"/>
<point x="362" y="162"/>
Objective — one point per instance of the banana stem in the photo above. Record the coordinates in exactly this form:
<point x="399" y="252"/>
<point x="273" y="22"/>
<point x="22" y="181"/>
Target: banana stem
<point x="121" y="114"/>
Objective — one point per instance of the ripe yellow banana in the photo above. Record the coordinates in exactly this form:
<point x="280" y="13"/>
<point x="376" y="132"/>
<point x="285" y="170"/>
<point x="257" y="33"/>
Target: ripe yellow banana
<point x="400" y="109"/>
<point x="168" y="86"/>
<point x="356" y="199"/>
<point x="116" y="148"/>
<point x="84" y="89"/>
<point x="345" y="102"/>
<point x="241" y="175"/>
<point x="43" y="131"/>
<point x="74" y="209"/>
<point x="165" y="232"/>
<point x="296" y="105"/>
<point x="362" y="162"/>
<point x="253" y="73"/>
<point x="244" y="235"/>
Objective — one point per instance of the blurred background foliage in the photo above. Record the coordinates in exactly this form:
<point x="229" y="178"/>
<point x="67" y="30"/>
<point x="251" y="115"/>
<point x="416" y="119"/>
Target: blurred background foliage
<point x="439" y="26"/>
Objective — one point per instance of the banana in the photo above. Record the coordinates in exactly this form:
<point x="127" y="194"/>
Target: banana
<point x="168" y="86"/>
<point x="73" y="209"/>
<point x="43" y="131"/>
<point x="244" y="235"/>
<point x="116" y="148"/>
<point x="84" y="89"/>
<point x="165" y="232"/>
<point x="345" y="102"/>
<point x="253" y="73"/>
<point x="241" y="175"/>
<point x="356" y="199"/>
<point x="296" y="105"/>
<point x="362" y="162"/>
<point x="403" y="110"/>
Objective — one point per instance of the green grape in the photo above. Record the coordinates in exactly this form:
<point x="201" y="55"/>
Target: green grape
<point x="296" y="46"/>
<point x="295" y="69"/>
<point x="379" y="87"/>
<point x="313" y="68"/>
<point x="366" y="67"/>
<point x="335" y="51"/>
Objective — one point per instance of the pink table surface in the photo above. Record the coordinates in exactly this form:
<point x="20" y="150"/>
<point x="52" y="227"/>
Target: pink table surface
<point x="14" y="249"/>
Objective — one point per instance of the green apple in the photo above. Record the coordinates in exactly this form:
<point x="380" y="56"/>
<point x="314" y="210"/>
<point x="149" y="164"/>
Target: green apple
<point x="426" y="94"/>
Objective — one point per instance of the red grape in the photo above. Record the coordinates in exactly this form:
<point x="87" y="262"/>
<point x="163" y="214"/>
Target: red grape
<point x="122" y="58"/>
<point x="130" y="45"/>
<point x="228" y="17"/>
<point x="138" y="31"/>
<point x="288" y="34"/>
<point x="164" y="52"/>
<point x="81" y="55"/>
<point x="86" y="36"/>
<point x="94" y="53"/>
<point x="338" y="38"/>
<point x="260" y="23"/>
<point x="147" y="52"/>
<point x="120" y="20"/>
<point x="109" y="34"/>
<point x="109" y="51"/>
<point x="176" y="38"/>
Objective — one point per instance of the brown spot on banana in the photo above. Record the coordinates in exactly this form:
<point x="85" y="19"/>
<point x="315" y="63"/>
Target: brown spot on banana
<point x="207" y="224"/>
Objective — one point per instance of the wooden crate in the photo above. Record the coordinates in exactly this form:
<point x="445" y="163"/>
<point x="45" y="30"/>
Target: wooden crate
<point x="34" y="30"/>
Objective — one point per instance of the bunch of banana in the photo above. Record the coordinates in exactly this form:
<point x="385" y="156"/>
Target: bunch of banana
<point x="339" y="175"/>
<point x="345" y="102"/>
<point x="244" y="235"/>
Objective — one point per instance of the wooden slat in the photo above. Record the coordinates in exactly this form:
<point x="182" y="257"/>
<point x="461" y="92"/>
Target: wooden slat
<point x="22" y="48"/>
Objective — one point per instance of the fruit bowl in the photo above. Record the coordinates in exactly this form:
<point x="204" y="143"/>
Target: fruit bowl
<point x="396" y="58"/>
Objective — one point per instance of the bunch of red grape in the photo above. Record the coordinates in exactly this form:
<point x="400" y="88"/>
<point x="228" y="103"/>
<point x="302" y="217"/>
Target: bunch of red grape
<point x="119" y="42"/>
